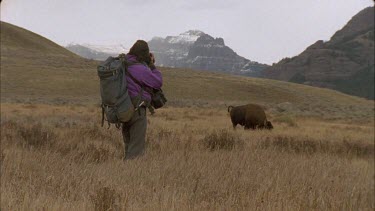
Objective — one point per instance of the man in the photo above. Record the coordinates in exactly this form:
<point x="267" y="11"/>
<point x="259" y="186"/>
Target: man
<point x="142" y="76"/>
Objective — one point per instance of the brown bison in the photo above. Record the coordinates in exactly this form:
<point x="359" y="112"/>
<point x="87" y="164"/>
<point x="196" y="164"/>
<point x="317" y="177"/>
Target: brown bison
<point x="251" y="116"/>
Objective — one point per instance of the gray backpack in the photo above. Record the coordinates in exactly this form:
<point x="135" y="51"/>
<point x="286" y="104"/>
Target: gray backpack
<point x="116" y="105"/>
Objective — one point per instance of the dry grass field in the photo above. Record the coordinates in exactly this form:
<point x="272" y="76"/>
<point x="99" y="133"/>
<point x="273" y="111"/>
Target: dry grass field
<point x="59" y="158"/>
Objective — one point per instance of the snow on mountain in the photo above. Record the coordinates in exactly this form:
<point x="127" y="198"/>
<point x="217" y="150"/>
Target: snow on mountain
<point x="109" y="49"/>
<point x="96" y="52"/>
<point x="187" y="37"/>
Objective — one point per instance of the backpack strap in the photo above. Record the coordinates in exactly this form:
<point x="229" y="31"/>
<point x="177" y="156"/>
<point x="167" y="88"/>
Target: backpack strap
<point x="102" y="115"/>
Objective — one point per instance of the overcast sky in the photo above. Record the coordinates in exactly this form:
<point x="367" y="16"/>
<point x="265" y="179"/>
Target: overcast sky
<point x="260" y="30"/>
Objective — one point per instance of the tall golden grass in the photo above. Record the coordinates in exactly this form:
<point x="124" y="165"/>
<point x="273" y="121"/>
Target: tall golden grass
<point x="59" y="158"/>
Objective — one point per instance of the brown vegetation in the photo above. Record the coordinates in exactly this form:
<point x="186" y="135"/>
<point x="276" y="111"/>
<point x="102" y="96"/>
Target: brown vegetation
<point x="59" y="158"/>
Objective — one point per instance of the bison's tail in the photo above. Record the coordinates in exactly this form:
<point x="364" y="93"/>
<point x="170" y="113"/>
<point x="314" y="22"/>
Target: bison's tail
<point x="230" y="108"/>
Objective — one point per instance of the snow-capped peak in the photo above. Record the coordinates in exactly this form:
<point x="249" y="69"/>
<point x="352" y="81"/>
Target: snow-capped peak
<point x="187" y="37"/>
<point x="193" y="33"/>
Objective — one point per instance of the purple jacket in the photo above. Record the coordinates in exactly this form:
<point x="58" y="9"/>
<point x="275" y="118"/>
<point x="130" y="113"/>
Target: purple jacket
<point x="146" y="76"/>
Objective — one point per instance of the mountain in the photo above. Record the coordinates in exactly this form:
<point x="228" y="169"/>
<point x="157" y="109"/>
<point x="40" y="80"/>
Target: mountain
<point x="195" y="49"/>
<point x="344" y="63"/>
<point x="96" y="52"/>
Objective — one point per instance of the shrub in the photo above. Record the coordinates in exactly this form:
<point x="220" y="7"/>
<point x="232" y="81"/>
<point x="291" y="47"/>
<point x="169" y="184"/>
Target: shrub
<point x="222" y="140"/>
<point x="37" y="136"/>
<point x="94" y="154"/>
<point x="292" y="144"/>
<point x="307" y="145"/>
<point x="287" y="120"/>
<point x="104" y="199"/>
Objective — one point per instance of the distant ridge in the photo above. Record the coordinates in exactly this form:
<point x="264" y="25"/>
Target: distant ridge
<point x="86" y="52"/>
<point x="96" y="52"/>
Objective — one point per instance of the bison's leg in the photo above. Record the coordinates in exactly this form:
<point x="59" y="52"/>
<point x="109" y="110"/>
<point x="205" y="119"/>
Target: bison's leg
<point x="269" y="125"/>
<point x="234" y="123"/>
<point x="252" y="126"/>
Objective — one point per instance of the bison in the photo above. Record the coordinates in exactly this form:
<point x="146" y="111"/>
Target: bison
<point x="251" y="116"/>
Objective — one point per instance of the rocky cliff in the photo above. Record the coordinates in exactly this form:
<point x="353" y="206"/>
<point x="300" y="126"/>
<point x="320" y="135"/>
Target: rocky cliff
<point x="344" y="63"/>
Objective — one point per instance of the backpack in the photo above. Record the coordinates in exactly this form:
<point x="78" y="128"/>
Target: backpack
<point x="116" y="104"/>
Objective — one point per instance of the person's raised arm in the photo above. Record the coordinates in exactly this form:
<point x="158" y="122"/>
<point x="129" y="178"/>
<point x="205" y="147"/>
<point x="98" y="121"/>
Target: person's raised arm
<point x="152" y="78"/>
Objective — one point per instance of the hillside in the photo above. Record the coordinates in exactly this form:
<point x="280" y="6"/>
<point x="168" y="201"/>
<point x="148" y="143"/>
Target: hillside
<point x="344" y="63"/>
<point x="20" y="44"/>
<point x="50" y="74"/>
<point x="32" y="66"/>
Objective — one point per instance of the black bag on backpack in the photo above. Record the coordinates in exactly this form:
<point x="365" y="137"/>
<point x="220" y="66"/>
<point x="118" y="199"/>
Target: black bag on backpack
<point x="158" y="99"/>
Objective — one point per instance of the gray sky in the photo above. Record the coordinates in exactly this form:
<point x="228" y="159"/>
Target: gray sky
<point x="260" y="30"/>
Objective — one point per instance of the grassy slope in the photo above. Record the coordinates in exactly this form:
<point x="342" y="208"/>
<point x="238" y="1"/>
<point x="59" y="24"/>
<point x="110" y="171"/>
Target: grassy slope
<point x="35" y="67"/>
<point x="16" y="41"/>
<point x="49" y="73"/>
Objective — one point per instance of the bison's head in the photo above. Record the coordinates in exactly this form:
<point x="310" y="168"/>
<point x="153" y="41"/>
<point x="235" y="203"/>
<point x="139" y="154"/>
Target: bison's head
<point x="230" y="108"/>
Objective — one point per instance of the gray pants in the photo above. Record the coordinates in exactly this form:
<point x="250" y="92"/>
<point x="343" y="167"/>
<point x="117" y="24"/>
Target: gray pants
<point x="134" y="134"/>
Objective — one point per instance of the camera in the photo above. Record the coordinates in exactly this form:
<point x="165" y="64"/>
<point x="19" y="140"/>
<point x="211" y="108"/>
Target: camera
<point x="158" y="99"/>
<point x="152" y="58"/>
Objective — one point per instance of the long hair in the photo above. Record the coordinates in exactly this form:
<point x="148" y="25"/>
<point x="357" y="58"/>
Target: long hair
<point x="141" y="51"/>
